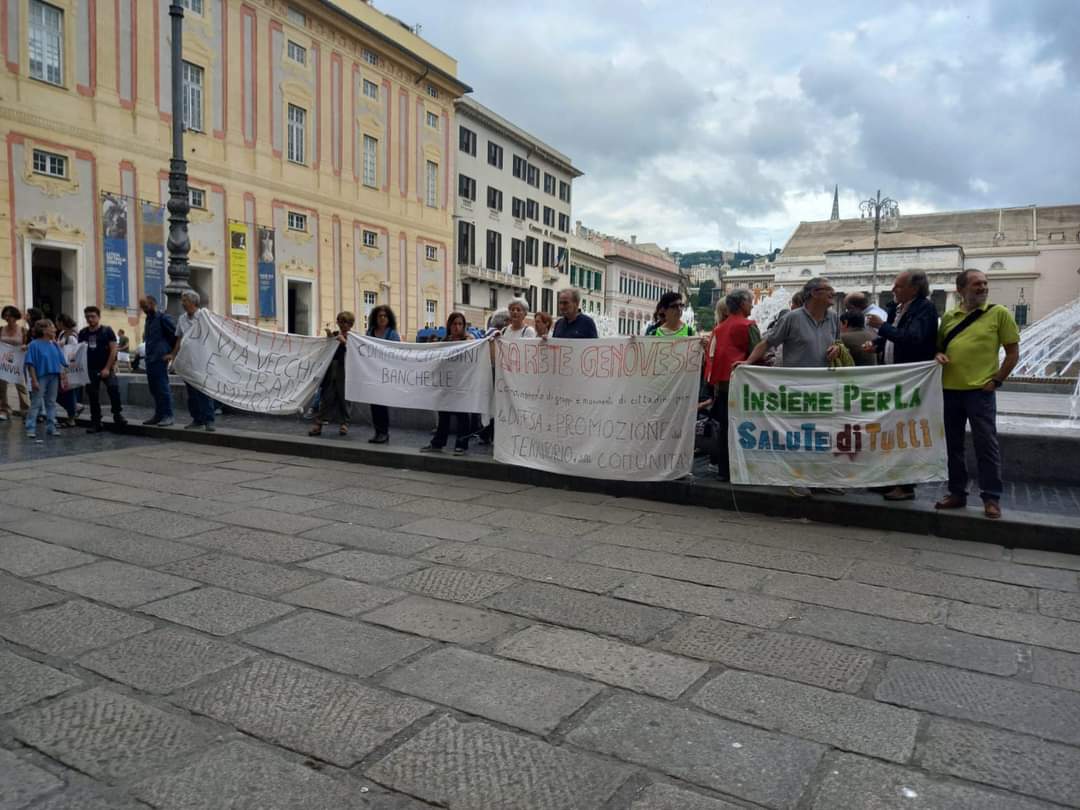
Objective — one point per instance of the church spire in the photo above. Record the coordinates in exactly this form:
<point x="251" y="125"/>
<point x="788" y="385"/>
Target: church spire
<point x="835" y="204"/>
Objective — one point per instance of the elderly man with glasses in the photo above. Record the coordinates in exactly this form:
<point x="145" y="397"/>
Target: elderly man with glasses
<point x="808" y="334"/>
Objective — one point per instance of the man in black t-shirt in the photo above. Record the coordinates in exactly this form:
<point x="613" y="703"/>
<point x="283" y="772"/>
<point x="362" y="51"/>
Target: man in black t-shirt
<point x="101" y="349"/>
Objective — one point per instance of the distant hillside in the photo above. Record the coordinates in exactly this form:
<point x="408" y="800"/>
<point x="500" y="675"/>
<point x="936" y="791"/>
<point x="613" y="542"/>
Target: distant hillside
<point x="716" y="257"/>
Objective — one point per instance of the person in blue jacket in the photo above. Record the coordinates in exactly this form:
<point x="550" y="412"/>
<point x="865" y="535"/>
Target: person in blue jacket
<point x="45" y="366"/>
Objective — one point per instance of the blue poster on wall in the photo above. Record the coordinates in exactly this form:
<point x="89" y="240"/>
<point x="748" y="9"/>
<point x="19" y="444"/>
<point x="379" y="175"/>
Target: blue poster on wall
<point x="267" y="274"/>
<point x="114" y="220"/>
<point x="153" y="250"/>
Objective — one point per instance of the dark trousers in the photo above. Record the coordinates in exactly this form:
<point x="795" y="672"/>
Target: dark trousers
<point x="980" y="409"/>
<point x="68" y="400"/>
<point x="442" y="431"/>
<point x="157" y="378"/>
<point x="200" y="406"/>
<point x="93" y="393"/>
<point x="719" y="455"/>
<point x="380" y="419"/>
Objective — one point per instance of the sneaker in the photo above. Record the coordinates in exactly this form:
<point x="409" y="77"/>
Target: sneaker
<point x="52" y="432"/>
<point x="209" y="428"/>
<point x="3" y="417"/>
<point x="95" y="429"/>
<point x="31" y="435"/>
<point x="379" y="438"/>
<point x="166" y="422"/>
<point x="799" y="492"/>
<point x="430" y="449"/>
<point x="194" y="426"/>
<point x="119" y="421"/>
<point x="153" y="420"/>
<point x="459" y="451"/>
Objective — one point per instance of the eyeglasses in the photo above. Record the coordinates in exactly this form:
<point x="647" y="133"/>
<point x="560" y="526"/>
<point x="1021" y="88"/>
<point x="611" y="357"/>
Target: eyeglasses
<point x="679" y="305"/>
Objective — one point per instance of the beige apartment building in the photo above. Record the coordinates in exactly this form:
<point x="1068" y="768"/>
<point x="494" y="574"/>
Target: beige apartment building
<point x="318" y="144"/>
<point x="512" y="213"/>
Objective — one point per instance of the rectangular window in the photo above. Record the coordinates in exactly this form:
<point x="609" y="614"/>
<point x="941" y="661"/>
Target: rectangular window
<point x="433" y="91"/>
<point x="432" y="184"/>
<point x="517" y="208"/>
<point x="466" y="188"/>
<point x="549" y="216"/>
<point x="530" y="297"/>
<point x="371" y="239"/>
<point x="297" y="52"/>
<point x="549" y="184"/>
<point x="50" y="164"/>
<point x="466" y="243"/>
<point x="466" y="294"/>
<point x="197" y="197"/>
<point x="495" y="155"/>
<point x="494" y="250"/>
<point x="547" y="298"/>
<point x="192" y="76"/>
<point x="432" y="120"/>
<point x="431" y="253"/>
<point x="517" y="256"/>
<point x="573" y="275"/>
<point x="371" y="300"/>
<point x="549" y="254"/>
<point x="431" y="310"/>
<point x="46" y="46"/>
<point x="494" y="198"/>
<point x="493" y="298"/>
<point x="297" y="222"/>
<point x="598" y="280"/>
<point x="195" y="6"/>
<point x="295" y="16"/>
<point x="519" y="167"/>
<point x="533" y="176"/>
<point x="297" y="132"/>
<point x="532" y="210"/>
<point x="370" y="57"/>
<point x="564" y="191"/>
<point x="532" y="250"/>
<point x="467" y="141"/>
<point x="371" y="161"/>
<point x="371" y="90"/>
<point x="564" y="223"/>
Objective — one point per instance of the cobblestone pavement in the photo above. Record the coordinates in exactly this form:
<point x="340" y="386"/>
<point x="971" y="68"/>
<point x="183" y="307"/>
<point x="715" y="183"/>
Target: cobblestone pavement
<point x="188" y="627"/>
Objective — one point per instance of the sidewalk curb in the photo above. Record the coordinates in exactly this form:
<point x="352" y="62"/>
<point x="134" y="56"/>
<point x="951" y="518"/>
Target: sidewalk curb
<point x="1016" y="529"/>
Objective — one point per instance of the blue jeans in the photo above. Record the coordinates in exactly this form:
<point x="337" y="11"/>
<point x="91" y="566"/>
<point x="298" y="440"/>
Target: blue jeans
<point x="157" y="377"/>
<point x="980" y="409"/>
<point x="200" y="406"/>
<point x="43" y="400"/>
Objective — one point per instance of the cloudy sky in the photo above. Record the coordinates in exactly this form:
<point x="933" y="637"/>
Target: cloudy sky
<point x="705" y="124"/>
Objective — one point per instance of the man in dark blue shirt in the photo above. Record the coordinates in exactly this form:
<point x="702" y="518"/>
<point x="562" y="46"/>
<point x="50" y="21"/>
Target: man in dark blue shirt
<point x="573" y="323"/>
<point x="101" y="348"/>
<point x="159" y="335"/>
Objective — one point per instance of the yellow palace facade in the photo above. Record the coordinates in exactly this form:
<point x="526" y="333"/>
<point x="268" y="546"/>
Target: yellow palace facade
<point x="318" y="140"/>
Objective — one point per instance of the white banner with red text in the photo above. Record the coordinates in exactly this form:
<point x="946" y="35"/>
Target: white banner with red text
<point x="450" y="376"/>
<point x="11" y="364"/>
<point x="77" y="374"/>
<point x="616" y="408"/>
<point x="856" y="426"/>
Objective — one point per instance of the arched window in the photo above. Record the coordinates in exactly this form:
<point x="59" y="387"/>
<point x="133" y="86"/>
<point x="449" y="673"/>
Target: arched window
<point x="806" y="272"/>
<point x="996" y="267"/>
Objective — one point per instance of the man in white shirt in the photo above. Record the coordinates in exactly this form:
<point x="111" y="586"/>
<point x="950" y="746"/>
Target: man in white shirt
<point x="200" y="406"/>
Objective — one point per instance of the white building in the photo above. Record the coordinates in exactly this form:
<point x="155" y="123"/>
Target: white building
<point x="512" y="214"/>
<point x="587" y="274"/>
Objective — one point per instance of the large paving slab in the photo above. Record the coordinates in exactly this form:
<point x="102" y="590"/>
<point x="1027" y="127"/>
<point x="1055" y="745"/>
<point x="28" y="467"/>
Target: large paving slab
<point x="1016" y="762"/>
<point x="855" y="596"/>
<point x="949" y="586"/>
<point x="17" y="596"/>
<point x="1027" y="628"/>
<point x="163" y="660"/>
<point x="270" y="521"/>
<point x="157" y="523"/>
<point x="1054" y="668"/>
<point x="476" y="766"/>
<point x="759" y="766"/>
<point x="21" y="782"/>
<point x="843" y="721"/>
<point x="454" y="584"/>
<point x="690" y="569"/>
<point x="613" y="662"/>
<point x="108" y="735"/>
<point x="261" y="545"/>
<point x="808" y="660"/>
<point x="1060" y="605"/>
<point x="321" y="715"/>
<point x="857" y="782"/>
<point x="118" y="583"/>
<point x="372" y="538"/>
<point x="702" y="600"/>
<point x="600" y="614"/>
<point x="71" y="628"/>
<point x="575" y="575"/>
<point x="363" y="565"/>
<point x="23" y="681"/>
<point x="341" y="596"/>
<point x="1046" y="712"/>
<point x="342" y="645"/>
<point x="238" y="574"/>
<point x="1027" y="575"/>
<point x="500" y="690"/>
<point x="103" y="541"/>
<point x="26" y="557"/>
<point x="659" y="796"/>
<point x="444" y="621"/>
<point x="215" y="611"/>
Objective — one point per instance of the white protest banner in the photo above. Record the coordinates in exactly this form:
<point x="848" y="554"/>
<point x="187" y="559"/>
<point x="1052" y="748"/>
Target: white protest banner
<point x="11" y="363"/>
<point x="617" y="408"/>
<point x="252" y="369"/>
<point x="76" y="359"/>
<point x="451" y="376"/>
<point x="858" y="426"/>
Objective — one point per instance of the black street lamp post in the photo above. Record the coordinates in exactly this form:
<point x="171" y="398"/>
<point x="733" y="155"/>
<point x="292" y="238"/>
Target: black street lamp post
<point x="179" y="244"/>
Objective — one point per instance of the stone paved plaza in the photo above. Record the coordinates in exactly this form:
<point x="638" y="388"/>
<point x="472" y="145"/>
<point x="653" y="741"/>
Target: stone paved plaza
<point x="190" y="627"/>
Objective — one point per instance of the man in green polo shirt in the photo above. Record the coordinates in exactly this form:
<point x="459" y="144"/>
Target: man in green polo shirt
<point x="969" y="342"/>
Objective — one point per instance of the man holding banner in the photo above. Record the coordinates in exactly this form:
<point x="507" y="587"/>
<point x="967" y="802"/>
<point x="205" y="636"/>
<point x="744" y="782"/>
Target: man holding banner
<point x="200" y="406"/>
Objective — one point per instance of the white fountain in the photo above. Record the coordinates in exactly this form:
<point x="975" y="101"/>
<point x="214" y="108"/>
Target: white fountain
<point x="606" y="326"/>
<point x="769" y="306"/>
<point x="1050" y="350"/>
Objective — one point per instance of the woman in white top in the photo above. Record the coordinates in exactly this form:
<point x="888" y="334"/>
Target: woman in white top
<point x="517" y="328"/>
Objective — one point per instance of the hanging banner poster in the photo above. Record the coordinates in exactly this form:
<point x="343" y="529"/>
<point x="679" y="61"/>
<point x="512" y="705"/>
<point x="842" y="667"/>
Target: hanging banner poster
<point x="11" y="364"/>
<point x="114" y="223"/>
<point x="238" y="269"/>
<point x="453" y="376"/>
<point x="616" y="408"/>
<point x="76" y="369"/>
<point x="152" y="228"/>
<point x="267" y="274"/>
<point x="252" y="369"/>
<point x="856" y="426"/>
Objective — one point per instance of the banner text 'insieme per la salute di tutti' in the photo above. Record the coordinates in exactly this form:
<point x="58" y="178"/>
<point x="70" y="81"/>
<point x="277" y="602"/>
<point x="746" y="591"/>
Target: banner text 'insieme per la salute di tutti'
<point x="845" y="427"/>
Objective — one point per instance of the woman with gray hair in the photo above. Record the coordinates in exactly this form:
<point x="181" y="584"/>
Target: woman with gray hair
<point x="517" y="328"/>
